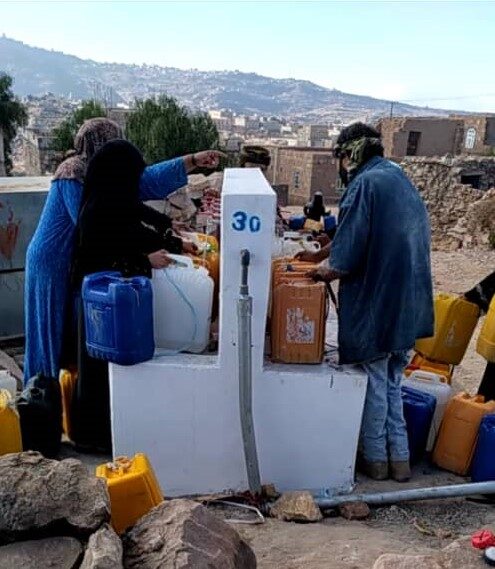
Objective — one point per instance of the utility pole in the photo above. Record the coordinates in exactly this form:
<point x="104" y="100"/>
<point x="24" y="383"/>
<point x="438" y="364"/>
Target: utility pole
<point x="392" y="103"/>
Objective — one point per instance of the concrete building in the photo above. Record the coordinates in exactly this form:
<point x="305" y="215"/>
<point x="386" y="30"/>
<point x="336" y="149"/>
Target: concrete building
<point x="35" y="152"/>
<point x="222" y="119"/>
<point x="3" y="171"/>
<point x="479" y="134"/>
<point x="243" y="124"/>
<point x="305" y="171"/>
<point x="428" y="136"/>
<point x="120" y="116"/>
<point x="313" y="135"/>
<point x="421" y="136"/>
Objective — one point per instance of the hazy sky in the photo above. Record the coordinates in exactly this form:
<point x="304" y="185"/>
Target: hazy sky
<point x="436" y="53"/>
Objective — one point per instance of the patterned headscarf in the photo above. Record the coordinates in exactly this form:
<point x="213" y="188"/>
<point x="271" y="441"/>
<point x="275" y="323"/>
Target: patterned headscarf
<point x="254" y="155"/>
<point x="359" y="151"/>
<point x="92" y="135"/>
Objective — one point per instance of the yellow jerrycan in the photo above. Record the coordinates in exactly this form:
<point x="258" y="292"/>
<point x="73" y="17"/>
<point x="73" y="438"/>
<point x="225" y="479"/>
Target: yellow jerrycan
<point x="486" y="339"/>
<point x="458" y="433"/>
<point x="68" y="380"/>
<point x="445" y="371"/>
<point x="10" y="426"/>
<point x="133" y="489"/>
<point x="455" y="321"/>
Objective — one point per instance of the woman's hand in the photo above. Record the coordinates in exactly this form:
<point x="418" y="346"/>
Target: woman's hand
<point x="205" y="159"/>
<point x="189" y="248"/>
<point x="160" y="259"/>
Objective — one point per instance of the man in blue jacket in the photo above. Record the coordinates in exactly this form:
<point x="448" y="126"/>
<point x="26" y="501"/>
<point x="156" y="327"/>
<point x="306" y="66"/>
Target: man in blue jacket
<point x="381" y="255"/>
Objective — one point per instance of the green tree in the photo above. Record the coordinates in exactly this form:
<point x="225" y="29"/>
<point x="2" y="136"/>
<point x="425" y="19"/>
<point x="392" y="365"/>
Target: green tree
<point x="63" y="135"/>
<point x="162" y="129"/>
<point x="13" y="115"/>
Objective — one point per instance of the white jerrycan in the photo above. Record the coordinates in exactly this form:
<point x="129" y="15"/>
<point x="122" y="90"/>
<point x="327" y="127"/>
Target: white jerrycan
<point x="431" y="383"/>
<point x="182" y="302"/>
<point x="8" y="382"/>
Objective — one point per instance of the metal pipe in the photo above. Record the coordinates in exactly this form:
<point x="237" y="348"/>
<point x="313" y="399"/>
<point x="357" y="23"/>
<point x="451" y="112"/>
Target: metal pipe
<point x="244" y="313"/>
<point x="453" y="491"/>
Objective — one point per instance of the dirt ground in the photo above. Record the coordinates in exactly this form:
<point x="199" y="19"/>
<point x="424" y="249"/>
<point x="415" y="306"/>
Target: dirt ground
<point x="414" y="528"/>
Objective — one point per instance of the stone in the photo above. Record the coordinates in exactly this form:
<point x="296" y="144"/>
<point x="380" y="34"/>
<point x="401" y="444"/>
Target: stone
<point x="457" y="555"/>
<point x="52" y="552"/>
<point x="461" y="553"/>
<point x="270" y="492"/>
<point x="296" y="507"/>
<point x="40" y="497"/>
<point x="395" y="561"/>
<point x="354" y="510"/>
<point x="104" y="550"/>
<point x="182" y="534"/>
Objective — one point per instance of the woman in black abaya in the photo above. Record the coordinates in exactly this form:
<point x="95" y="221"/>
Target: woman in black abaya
<point x="110" y="236"/>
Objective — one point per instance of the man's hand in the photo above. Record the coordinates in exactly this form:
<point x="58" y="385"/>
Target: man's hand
<point x="323" y="239"/>
<point x="314" y="256"/>
<point x="324" y="274"/>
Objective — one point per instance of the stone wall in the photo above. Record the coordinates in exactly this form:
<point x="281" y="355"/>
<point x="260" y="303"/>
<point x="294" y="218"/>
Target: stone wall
<point x="461" y="216"/>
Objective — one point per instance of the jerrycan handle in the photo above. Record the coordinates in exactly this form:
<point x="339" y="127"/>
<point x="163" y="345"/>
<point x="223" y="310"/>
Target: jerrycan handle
<point x="478" y="399"/>
<point x="426" y="376"/>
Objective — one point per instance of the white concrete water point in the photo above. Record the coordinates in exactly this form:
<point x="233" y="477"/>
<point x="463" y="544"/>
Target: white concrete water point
<point x="183" y="410"/>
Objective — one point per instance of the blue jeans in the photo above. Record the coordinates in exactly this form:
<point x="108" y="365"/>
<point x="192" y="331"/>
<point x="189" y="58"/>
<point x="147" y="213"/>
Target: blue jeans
<point x="383" y="430"/>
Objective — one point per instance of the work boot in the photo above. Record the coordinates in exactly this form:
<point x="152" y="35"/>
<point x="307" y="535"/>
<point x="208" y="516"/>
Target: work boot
<point x="374" y="470"/>
<point x="400" y="470"/>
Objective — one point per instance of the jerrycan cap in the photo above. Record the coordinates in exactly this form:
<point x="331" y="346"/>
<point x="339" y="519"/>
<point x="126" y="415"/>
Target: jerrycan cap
<point x="120" y="464"/>
<point x="489" y="556"/>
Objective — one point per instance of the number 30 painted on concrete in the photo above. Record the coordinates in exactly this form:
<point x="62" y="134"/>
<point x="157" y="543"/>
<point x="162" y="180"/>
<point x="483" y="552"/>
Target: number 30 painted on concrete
<point x="243" y="221"/>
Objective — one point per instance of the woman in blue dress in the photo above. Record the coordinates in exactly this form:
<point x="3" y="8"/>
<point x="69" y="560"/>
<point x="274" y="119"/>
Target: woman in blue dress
<point x="48" y="305"/>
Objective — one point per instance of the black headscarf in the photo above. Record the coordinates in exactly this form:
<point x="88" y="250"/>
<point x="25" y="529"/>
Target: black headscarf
<point x="109" y="229"/>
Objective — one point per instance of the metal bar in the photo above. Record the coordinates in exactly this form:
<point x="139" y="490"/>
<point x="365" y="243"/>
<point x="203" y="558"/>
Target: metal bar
<point x="453" y="491"/>
<point x="244" y="312"/>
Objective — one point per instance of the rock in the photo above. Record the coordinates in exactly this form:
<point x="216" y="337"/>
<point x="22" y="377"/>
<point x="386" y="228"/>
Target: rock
<point x="52" y="552"/>
<point x="354" y="510"/>
<point x="296" y="507"/>
<point x="270" y="492"/>
<point x="460" y="553"/>
<point x="104" y="550"/>
<point x="41" y="497"/>
<point x="394" y="561"/>
<point x="182" y="534"/>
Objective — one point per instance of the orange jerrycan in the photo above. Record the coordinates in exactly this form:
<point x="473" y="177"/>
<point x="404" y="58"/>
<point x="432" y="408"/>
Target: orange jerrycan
<point x="10" y="426"/>
<point x="486" y="340"/>
<point x="455" y="321"/>
<point x="459" y="432"/>
<point x="418" y="362"/>
<point x="298" y="322"/>
<point x="133" y="489"/>
<point x="68" y="380"/>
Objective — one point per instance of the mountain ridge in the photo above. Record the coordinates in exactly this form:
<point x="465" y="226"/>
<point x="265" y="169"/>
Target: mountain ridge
<point x="37" y="71"/>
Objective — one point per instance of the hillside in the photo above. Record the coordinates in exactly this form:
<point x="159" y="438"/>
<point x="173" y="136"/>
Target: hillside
<point x="37" y="71"/>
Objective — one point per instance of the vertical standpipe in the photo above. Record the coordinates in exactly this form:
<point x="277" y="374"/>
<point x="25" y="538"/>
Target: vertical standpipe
<point x="244" y="314"/>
